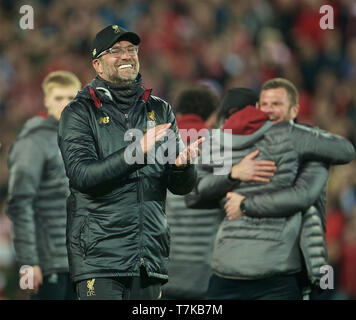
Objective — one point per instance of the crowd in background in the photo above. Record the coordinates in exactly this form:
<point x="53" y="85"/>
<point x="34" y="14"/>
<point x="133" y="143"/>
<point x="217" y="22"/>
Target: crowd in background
<point x="221" y="43"/>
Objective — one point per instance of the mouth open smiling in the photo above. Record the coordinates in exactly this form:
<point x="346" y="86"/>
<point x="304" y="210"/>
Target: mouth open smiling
<point x="124" y="66"/>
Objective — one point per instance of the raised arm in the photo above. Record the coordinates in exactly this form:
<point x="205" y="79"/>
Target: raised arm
<point x="319" y="145"/>
<point x="212" y="188"/>
<point x="209" y="190"/>
<point x="78" y="147"/>
<point x="286" y="202"/>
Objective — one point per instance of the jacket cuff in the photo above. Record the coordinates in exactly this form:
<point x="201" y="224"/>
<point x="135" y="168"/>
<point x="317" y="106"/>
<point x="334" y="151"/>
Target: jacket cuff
<point x="245" y="207"/>
<point x="233" y="180"/>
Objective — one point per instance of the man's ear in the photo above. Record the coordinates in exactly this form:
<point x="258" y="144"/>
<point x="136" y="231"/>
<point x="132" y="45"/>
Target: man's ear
<point x="257" y="105"/>
<point x="97" y="66"/>
<point x="294" y="111"/>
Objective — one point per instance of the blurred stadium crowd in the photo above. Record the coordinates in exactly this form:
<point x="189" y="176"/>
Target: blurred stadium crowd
<point x="222" y="43"/>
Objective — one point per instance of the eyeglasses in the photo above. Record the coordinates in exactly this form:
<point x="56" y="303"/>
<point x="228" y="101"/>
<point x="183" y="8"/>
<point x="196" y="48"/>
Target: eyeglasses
<point x="119" y="51"/>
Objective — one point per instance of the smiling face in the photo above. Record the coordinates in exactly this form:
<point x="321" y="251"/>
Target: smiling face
<point x="118" y="69"/>
<point x="276" y="104"/>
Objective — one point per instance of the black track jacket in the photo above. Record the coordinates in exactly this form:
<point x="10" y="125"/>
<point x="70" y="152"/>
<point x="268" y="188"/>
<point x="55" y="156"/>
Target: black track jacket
<point x="116" y="211"/>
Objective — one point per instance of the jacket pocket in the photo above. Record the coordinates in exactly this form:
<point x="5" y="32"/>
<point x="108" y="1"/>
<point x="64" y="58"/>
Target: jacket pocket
<point x="254" y="228"/>
<point x="84" y="236"/>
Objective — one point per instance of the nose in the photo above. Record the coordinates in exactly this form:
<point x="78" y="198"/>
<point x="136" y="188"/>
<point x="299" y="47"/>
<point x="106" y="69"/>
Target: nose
<point x="125" y="54"/>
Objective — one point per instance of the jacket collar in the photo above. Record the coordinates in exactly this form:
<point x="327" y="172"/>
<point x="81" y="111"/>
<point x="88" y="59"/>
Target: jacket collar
<point x="100" y="95"/>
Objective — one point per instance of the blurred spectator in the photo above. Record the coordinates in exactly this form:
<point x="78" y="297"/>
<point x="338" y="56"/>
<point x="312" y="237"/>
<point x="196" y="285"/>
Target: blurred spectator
<point x="192" y="230"/>
<point x="37" y="193"/>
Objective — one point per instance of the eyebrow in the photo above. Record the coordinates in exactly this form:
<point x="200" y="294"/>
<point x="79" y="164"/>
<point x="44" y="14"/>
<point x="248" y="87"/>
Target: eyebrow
<point x="129" y="46"/>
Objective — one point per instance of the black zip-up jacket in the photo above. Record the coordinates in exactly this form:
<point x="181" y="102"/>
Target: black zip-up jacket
<point x="116" y="210"/>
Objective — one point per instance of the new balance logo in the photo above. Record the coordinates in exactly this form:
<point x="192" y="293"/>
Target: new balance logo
<point x="104" y="120"/>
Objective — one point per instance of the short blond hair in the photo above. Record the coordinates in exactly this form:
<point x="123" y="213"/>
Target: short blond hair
<point x="62" y="79"/>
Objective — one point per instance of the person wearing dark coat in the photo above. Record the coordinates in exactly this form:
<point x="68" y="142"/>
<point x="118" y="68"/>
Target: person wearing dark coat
<point x="113" y="140"/>
<point x="37" y="194"/>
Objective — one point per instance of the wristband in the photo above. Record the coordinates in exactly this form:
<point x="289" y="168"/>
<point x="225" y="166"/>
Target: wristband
<point x="243" y="206"/>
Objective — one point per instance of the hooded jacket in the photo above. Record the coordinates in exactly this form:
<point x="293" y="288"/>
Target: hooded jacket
<point x="312" y="178"/>
<point x="116" y="210"/>
<point x="37" y="193"/>
<point x="254" y="247"/>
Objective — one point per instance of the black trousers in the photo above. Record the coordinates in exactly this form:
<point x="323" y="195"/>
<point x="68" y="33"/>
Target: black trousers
<point x="120" y="288"/>
<point x="56" y="286"/>
<point x="282" y="287"/>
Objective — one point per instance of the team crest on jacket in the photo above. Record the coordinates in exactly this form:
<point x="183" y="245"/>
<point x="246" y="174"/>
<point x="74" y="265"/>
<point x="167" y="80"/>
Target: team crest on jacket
<point x="90" y="286"/>
<point x="151" y="115"/>
<point x="116" y="28"/>
<point x="152" y="122"/>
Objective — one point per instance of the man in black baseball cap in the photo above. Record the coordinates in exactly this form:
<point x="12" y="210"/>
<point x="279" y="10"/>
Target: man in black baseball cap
<point x="105" y="38"/>
<point x="118" y="235"/>
<point x="114" y="55"/>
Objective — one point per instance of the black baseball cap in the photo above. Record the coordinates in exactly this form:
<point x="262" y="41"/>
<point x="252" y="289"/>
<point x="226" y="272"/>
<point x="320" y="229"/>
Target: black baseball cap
<point x="236" y="99"/>
<point x="105" y="39"/>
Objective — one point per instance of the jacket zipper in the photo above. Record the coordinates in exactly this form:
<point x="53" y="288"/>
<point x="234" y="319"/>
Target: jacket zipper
<point x="139" y="200"/>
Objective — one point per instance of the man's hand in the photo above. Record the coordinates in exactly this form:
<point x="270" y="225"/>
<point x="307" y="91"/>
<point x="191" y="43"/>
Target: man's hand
<point x="232" y="206"/>
<point x="249" y="169"/>
<point x="153" y="135"/>
<point x="189" y="153"/>
<point x="37" y="279"/>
